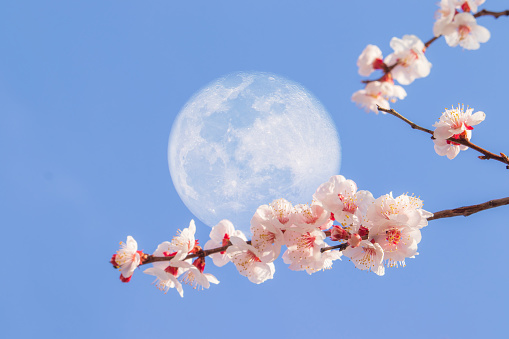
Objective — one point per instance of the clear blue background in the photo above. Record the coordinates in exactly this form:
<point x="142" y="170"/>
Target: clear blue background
<point x="88" y="93"/>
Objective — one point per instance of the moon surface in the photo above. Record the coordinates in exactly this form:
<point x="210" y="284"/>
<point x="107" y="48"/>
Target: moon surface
<point x="247" y="139"/>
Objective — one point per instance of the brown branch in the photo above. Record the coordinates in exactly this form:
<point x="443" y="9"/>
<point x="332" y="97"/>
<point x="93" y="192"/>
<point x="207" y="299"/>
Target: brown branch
<point x="486" y="155"/>
<point x="399" y="116"/>
<point x="201" y="253"/>
<point x="386" y="69"/>
<point x="469" y="210"/>
<point x="340" y="247"/>
<point x="496" y="15"/>
<point x="430" y="41"/>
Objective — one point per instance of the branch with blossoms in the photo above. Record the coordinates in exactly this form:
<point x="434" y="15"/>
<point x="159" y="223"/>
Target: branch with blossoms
<point x="456" y="23"/>
<point x="373" y="233"/>
<point x="453" y="133"/>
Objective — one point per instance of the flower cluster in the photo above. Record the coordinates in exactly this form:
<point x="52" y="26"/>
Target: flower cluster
<point x="372" y="233"/>
<point x="455" y="124"/>
<point x="458" y="25"/>
<point x="404" y="65"/>
<point x="455" y="22"/>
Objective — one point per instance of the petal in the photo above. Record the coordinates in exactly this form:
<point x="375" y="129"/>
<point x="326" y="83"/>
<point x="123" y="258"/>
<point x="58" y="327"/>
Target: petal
<point x="476" y="118"/>
<point x="211" y="278"/>
<point x="482" y="34"/>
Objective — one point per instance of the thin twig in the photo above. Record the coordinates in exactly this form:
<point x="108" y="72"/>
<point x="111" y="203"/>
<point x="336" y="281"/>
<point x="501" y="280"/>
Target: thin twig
<point x="486" y="155"/>
<point x="399" y="116"/>
<point x="430" y="41"/>
<point x="496" y="15"/>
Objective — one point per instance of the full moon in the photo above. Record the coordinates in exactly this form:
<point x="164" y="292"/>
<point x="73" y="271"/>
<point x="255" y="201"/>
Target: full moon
<point x="247" y="139"/>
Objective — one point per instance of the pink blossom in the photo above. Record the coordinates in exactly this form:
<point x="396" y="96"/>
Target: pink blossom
<point x="445" y="15"/>
<point x="219" y="237"/>
<point x="167" y="272"/>
<point x="403" y="210"/>
<point x="398" y="242"/>
<point x="195" y="277"/>
<point x="378" y="93"/>
<point x="304" y="250"/>
<point x="277" y="213"/>
<point x="455" y="123"/>
<point x="340" y="196"/>
<point x="367" y="256"/>
<point x="127" y="258"/>
<point x="464" y="31"/>
<point x="369" y="60"/>
<point x="249" y="262"/>
<point x="410" y="59"/>
<point x="164" y="280"/>
<point x="311" y="216"/>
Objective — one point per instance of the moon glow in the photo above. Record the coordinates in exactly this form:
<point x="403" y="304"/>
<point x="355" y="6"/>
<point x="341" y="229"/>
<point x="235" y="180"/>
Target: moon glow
<point x="247" y="139"/>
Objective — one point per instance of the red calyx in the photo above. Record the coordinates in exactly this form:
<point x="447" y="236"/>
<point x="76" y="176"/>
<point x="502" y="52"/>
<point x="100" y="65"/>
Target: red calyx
<point x="143" y="256"/>
<point x="363" y="231"/>
<point x="461" y="136"/>
<point x="388" y="78"/>
<point x="172" y="270"/>
<point x="113" y="262"/>
<point x="339" y="233"/>
<point x="465" y="7"/>
<point x="125" y="280"/>
<point x="379" y="64"/>
<point x="196" y="248"/>
<point x="199" y="263"/>
<point x="226" y="241"/>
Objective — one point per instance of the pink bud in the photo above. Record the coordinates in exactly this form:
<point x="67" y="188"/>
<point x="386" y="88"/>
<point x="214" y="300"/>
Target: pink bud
<point x="354" y="240"/>
<point x="338" y="233"/>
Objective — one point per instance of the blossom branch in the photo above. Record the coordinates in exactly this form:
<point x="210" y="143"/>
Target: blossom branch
<point x="200" y="253"/>
<point x="486" y="154"/>
<point x="388" y="69"/>
<point x="465" y="211"/>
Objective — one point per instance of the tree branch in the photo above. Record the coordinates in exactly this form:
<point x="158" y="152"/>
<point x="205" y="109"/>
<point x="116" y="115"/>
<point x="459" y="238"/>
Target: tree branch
<point x="496" y="15"/>
<point x="399" y="116"/>
<point x="469" y="210"/>
<point x="486" y="155"/>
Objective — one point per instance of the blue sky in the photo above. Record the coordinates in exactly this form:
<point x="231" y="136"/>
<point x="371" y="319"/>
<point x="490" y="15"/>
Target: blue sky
<point x="88" y="94"/>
